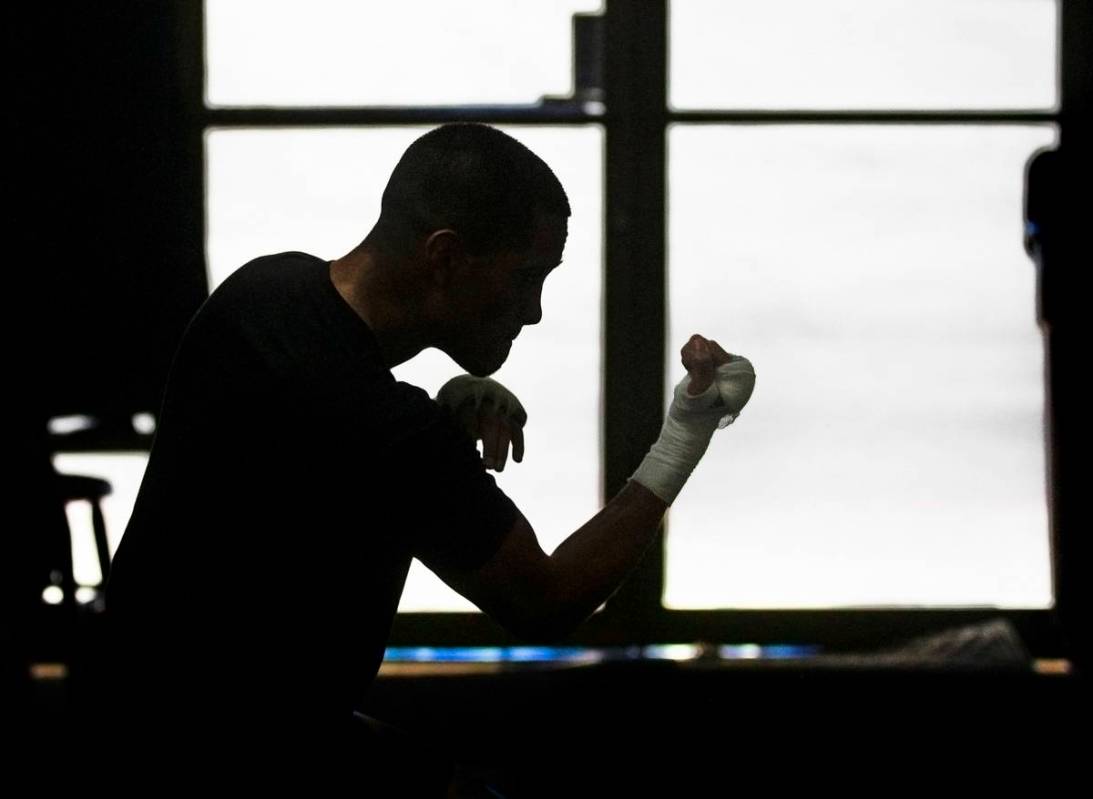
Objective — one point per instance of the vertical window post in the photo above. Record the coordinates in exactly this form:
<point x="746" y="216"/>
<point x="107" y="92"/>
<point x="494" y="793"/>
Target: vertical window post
<point x="634" y="290"/>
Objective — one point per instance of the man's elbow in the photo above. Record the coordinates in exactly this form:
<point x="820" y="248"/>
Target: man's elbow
<point x="544" y="631"/>
<point x="548" y="618"/>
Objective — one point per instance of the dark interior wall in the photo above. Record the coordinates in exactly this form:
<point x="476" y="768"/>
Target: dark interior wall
<point x="105" y="219"/>
<point x="103" y="216"/>
<point x="1065" y="185"/>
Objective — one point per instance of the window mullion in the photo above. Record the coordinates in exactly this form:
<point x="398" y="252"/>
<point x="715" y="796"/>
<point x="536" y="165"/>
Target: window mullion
<point x="634" y="290"/>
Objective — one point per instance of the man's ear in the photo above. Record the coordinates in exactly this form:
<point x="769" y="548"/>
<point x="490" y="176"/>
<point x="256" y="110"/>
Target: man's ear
<point x="443" y="252"/>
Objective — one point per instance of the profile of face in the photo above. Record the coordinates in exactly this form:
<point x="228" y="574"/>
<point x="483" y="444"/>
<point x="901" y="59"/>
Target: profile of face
<point x="498" y="295"/>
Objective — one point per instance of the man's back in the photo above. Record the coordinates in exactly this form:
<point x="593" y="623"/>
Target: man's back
<point x="257" y="580"/>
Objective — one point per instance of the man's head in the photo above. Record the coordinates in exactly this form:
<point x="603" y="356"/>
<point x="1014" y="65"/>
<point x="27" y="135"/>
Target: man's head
<point x="486" y="219"/>
<point x="472" y="179"/>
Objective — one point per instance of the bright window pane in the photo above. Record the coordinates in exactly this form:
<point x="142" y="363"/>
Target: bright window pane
<point x="318" y="190"/>
<point x="804" y="54"/>
<point x="893" y="451"/>
<point x="413" y="52"/>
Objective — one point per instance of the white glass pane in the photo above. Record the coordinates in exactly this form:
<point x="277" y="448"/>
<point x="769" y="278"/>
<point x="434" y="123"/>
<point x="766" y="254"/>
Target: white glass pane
<point x="804" y="54"/>
<point x="893" y="451"/>
<point x="124" y="471"/>
<point x="318" y="190"/>
<point x="413" y="52"/>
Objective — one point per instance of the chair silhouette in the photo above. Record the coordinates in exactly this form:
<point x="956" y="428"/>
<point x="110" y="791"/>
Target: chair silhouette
<point x="74" y="488"/>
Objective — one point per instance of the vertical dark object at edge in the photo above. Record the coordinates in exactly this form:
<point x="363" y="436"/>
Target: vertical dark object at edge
<point x="189" y="63"/>
<point x="634" y="316"/>
<point x="1065" y="296"/>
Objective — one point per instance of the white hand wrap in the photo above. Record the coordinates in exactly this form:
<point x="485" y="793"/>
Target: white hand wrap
<point x="690" y="424"/>
<point x="477" y="390"/>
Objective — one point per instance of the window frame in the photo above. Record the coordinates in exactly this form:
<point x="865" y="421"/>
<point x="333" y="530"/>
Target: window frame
<point x="635" y="124"/>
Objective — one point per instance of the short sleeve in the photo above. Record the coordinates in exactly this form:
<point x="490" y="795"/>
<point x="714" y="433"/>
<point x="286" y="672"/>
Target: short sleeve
<point x="456" y="514"/>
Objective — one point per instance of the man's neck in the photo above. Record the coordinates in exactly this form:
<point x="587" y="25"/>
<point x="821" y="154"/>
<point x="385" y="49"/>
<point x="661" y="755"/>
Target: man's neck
<point x="376" y="294"/>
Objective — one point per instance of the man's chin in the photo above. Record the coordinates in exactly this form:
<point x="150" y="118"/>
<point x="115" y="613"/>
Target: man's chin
<point x="482" y="364"/>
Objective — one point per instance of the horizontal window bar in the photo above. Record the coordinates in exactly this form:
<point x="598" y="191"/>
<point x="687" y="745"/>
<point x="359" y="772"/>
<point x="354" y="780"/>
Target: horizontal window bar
<point x="863" y="117"/>
<point x="589" y="113"/>
<point x="549" y="113"/>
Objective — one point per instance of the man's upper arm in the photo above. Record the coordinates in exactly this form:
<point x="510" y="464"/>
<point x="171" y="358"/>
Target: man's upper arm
<point x="464" y="528"/>
<point x="514" y="586"/>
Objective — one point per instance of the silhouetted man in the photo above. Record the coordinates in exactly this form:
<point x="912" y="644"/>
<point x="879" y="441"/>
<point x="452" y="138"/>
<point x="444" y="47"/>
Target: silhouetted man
<point x="292" y="479"/>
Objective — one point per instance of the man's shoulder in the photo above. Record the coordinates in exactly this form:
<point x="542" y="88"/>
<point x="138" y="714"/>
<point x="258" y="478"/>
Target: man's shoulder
<point x="266" y="288"/>
<point x="281" y="261"/>
<point x="278" y="272"/>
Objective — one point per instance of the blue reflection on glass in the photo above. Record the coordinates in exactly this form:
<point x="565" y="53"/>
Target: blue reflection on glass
<point x="552" y="654"/>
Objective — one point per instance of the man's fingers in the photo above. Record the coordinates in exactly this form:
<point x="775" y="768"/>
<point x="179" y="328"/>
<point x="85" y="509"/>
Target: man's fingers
<point x="488" y="424"/>
<point x="495" y="440"/>
<point x="720" y="357"/>
<point x="501" y="450"/>
<point x="500" y="435"/>
<point x="487" y="412"/>
<point x="701" y="357"/>
<point x="488" y="434"/>
<point x="517" y="443"/>
<point x="698" y="360"/>
<point x="466" y="417"/>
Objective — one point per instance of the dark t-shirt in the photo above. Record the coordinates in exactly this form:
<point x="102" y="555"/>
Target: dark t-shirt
<point x="290" y="482"/>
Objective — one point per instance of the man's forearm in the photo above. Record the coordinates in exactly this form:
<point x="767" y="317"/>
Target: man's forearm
<point x="594" y="561"/>
<point x="540" y="596"/>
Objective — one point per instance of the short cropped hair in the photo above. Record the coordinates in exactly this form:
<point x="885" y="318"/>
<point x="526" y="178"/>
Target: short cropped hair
<point x="475" y="180"/>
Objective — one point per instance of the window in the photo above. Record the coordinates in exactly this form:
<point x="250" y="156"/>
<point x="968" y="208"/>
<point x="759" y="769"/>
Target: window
<point x="893" y="453"/>
<point x="864" y="54"/>
<point x="870" y="260"/>
<point x="317" y="188"/>
<point x="346" y="53"/>
<point x="832" y="187"/>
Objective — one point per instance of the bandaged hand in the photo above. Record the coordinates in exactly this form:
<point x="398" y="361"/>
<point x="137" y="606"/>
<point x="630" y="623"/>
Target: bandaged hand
<point x="487" y="412"/>
<point x="717" y="387"/>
